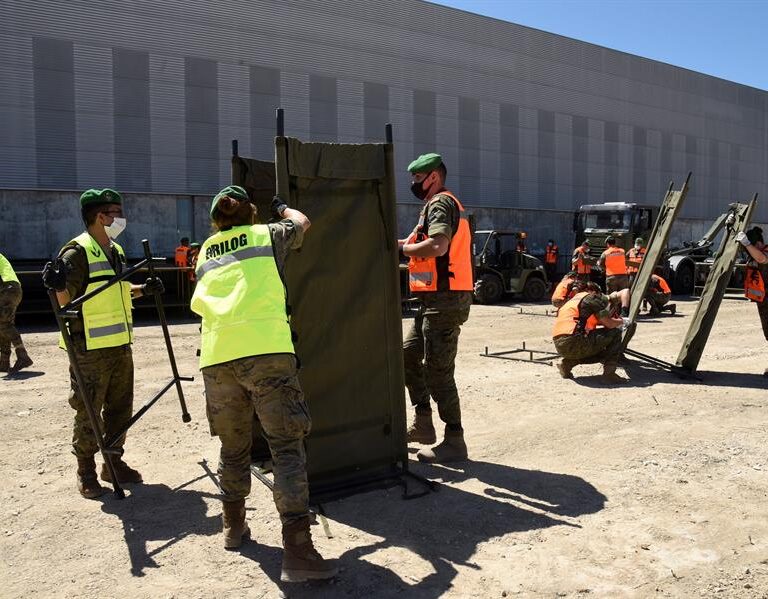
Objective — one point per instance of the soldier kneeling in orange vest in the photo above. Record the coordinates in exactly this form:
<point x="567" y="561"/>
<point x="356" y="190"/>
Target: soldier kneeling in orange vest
<point x="578" y="337"/>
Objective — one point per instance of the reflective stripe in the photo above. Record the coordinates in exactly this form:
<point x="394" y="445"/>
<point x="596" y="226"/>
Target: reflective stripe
<point x="421" y="276"/>
<point x="226" y="259"/>
<point x="112" y="329"/>
<point x="99" y="266"/>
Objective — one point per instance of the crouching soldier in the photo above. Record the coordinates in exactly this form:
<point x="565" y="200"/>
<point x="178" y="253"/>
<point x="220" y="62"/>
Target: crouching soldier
<point x="578" y="338"/>
<point x="101" y="336"/>
<point x="249" y="365"/>
<point x="658" y="297"/>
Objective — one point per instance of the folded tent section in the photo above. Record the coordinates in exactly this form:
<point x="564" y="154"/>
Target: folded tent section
<point x="343" y="289"/>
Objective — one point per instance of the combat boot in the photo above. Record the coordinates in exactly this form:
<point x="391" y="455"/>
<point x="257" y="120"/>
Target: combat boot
<point x="610" y="377"/>
<point x="87" y="483"/>
<point x="5" y="362"/>
<point x="301" y="561"/>
<point x="672" y="309"/>
<point x="235" y="526"/>
<point x="452" y="449"/>
<point x="125" y="474"/>
<point x="422" y="430"/>
<point x="565" y="367"/>
<point x="22" y="360"/>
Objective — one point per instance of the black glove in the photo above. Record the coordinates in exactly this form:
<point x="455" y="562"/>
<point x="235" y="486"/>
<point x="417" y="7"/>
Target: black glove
<point x="152" y="286"/>
<point x="277" y="207"/>
<point x="55" y="275"/>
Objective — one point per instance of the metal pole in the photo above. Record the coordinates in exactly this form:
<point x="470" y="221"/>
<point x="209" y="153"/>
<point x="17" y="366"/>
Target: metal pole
<point x="76" y="303"/>
<point x="185" y="417"/>
<point x="280" y="115"/>
<point x="92" y="416"/>
<point x="388" y="132"/>
<point x="234" y="147"/>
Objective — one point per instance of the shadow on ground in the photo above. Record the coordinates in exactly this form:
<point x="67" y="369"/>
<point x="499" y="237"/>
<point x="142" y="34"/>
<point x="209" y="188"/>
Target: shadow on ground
<point x="443" y="528"/>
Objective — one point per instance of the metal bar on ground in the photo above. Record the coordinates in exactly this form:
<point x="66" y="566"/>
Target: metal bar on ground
<point x="673" y="368"/>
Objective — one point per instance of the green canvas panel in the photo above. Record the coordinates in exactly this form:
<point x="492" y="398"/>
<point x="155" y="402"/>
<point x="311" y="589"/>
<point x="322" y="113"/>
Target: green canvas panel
<point x="657" y="243"/>
<point x="714" y="289"/>
<point x="343" y="288"/>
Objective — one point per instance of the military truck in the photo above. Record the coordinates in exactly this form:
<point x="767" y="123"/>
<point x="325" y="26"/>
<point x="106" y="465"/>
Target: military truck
<point x="501" y="268"/>
<point x="622" y="220"/>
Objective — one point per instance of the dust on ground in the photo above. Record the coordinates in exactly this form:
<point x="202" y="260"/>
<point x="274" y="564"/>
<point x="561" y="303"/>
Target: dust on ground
<point x="657" y="488"/>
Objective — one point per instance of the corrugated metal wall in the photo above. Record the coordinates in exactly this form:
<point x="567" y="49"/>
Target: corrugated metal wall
<point x="146" y="96"/>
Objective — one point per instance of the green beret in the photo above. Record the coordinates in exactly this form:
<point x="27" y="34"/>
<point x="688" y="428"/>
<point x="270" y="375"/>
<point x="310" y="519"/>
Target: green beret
<point x="425" y="163"/>
<point x="230" y="191"/>
<point x="100" y="196"/>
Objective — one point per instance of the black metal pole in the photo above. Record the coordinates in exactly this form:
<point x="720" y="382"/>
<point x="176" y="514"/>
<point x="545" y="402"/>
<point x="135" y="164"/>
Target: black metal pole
<point x="185" y="417"/>
<point x="280" y="116"/>
<point x="77" y="302"/>
<point x="388" y="132"/>
<point x="92" y="416"/>
<point x="234" y="148"/>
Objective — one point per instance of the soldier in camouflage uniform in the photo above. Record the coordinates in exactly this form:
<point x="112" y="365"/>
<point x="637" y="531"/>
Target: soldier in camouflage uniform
<point x="577" y="338"/>
<point x="440" y="274"/>
<point x="107" y="372"/>
<point x="248" y="365"/>
<point x="10" y="298"/>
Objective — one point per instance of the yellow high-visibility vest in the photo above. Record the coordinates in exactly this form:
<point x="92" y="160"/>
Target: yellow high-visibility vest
<point x="7" y="274"/>
<point x="240" y="297"/>
<point x="107" y="317"/>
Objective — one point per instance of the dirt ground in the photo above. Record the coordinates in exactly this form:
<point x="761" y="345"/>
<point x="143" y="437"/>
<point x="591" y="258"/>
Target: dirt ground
<point x="657" y="488"/>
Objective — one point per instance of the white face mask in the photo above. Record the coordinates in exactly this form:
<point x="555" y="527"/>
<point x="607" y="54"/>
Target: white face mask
<point x="117" y="227"/>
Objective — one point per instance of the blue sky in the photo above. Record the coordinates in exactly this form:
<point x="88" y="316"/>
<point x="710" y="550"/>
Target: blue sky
<point x="724" y="39"/>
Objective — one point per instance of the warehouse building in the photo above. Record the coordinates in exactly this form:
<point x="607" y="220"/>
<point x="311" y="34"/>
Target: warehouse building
<point x="146" y="97"/>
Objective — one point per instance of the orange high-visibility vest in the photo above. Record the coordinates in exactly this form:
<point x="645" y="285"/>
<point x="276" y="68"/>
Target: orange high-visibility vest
<point x="550" y="257"/>
<point x="582" y="267"/>
<point x="754" y="285"/>
<point x="450" y="272"/>
<point x="661" y="284"/>
<point x="181" y="255"/>
<point x="636" y="255"/>
<point x="569" y="320"/>
<point x="615" y="262"/>
<point x="564" y="289"/>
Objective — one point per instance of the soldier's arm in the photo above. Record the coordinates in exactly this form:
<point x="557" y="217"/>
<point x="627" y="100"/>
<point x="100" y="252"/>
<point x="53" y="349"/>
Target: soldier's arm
<point x="431" y="247"/>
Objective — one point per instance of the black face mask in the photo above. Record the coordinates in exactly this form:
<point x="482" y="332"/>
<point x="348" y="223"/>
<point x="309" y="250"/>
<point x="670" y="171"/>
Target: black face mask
<point x="417" y="189"/>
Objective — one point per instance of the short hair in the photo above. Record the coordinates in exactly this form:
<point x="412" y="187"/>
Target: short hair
<point x="442" y="170"/>
<point x="184" y="240"/>
<point x="592" y="286"/>
<point x="755" y="234"/>
<point x="89" y="212"/>
<point x="610" y="240"/>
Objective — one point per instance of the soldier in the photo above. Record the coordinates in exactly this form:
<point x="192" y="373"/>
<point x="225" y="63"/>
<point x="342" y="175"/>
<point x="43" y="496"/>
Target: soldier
<point x="551" y="253"/>
<point x="10" y="298"/>
<point x="581" y="261"/>
<point x="249" y="365"/>
<point x="440" y="276"/>
<point x="658" y="297"/>
<point x="565" y="289"/>
<point x="102" y="335"/>
<point x="756" y="275"/>
<point x="578" y="339"/>
<point x="613" y="262"/>
<point x="634" y="258"/>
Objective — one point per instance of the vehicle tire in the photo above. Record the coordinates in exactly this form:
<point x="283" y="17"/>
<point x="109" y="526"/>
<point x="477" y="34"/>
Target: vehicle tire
<point x="488" y="289"/>
<point x="534" y="290"/>
<point x="683" y="283"/>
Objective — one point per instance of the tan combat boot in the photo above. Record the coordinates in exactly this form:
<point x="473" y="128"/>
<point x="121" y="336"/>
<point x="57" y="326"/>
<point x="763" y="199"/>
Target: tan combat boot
<point x="5" y="362"/>
<point x="301" y="561"/>
<point x="87" y="484"/>
<point x="422" y="430"/>
<point x="22" y="360"/>
<point x="235" y="526"/>
<point x="125" y="474"/>
<point x="565" y="367"/>
<point x="610" y="377"/>
<point x="452" y="449"/>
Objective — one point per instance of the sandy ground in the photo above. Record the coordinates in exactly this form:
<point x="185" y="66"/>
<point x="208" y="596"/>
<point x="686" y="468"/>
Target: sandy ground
<point x="574" y="489"/>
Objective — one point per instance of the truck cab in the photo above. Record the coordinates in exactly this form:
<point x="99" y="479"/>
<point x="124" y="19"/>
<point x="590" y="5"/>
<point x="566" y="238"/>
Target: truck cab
<point x="622" y="220"/>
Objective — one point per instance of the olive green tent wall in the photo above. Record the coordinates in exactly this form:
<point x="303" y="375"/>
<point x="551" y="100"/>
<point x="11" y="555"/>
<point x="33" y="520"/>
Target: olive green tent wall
<point x="343" y="288"/>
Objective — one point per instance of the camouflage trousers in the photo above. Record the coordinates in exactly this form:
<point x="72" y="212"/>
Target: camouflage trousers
<point x="108" y="380"/>
<point x="762" y="311"/>
<point x="268" y="386"/>
<point x="10" y="298"/>
<point x="616" y="283"/>
<point x="601" y="345"/>
<point x="656" y="301"/>
<point x="429" y="355"/>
